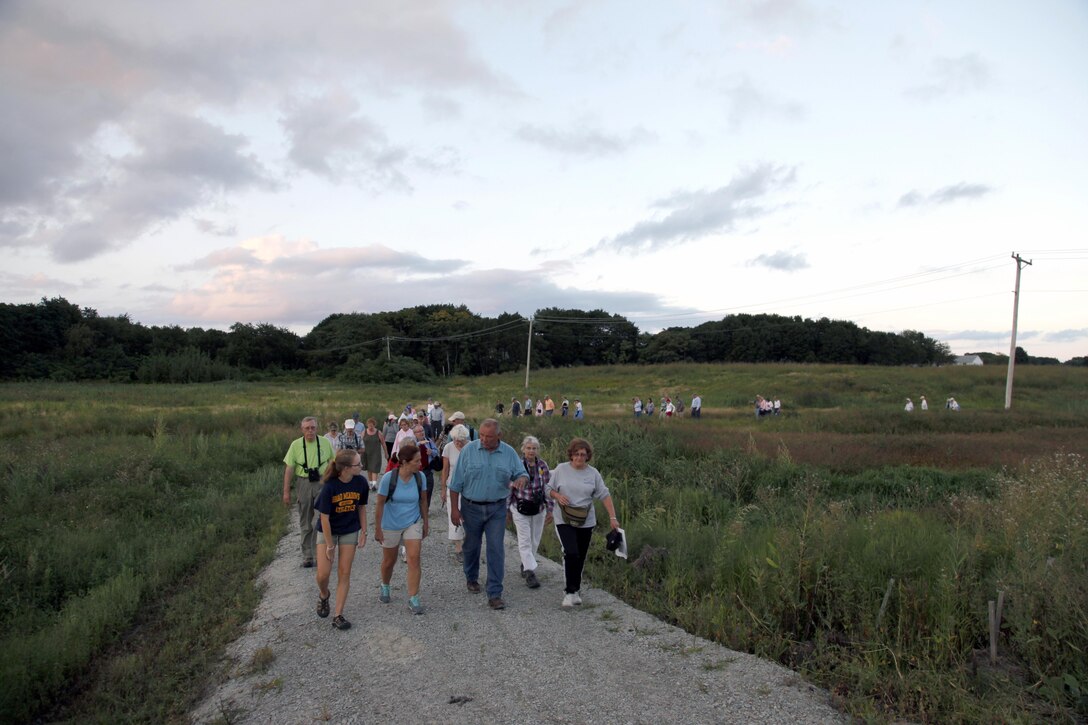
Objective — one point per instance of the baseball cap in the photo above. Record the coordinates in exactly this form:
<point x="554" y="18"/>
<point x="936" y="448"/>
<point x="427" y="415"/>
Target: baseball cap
<point x="349" y="424"/>
<point x="456" y="415"/>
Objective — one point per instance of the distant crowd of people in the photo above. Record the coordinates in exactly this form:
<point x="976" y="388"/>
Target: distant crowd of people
<point x="923" y="404"/>
<point x="670" y="407"/>
<point x="545" y="407"/>
<point x="481" y="482"/>
<point x="768" y="406"/>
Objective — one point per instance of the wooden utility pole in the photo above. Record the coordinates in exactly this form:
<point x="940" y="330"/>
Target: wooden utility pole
<point x="1020" y="263"/>
<point x="528" y="353"/>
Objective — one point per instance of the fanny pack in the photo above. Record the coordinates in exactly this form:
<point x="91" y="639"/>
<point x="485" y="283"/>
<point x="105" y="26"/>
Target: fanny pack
<point x="575" y="515"/>
<point x="528" y="507"/>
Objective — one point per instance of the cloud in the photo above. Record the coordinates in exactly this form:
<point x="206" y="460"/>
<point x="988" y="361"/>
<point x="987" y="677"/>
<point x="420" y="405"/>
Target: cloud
<point x="583" y="140"/>
<point x="1071" y="335"/>
<point x="696" y="214"/>
<point x="207" y="226"/>
<point x="780" y="260"/>
<point x="33" y="285"/>
<point x="252" y="282"/>
<point x="78" y="84"/>
<point x="945" y="195"/>
<point x="746" y="103"/>
<point x="953" y="77"/>
<point x="781" y="45"/>
<point x="178" y="163"/>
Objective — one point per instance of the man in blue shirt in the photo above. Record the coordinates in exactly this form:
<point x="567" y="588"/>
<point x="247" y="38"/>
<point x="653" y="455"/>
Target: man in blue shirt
<point x="486" y="471"/>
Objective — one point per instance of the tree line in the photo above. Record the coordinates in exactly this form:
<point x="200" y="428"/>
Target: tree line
<point x="58" y="340"/>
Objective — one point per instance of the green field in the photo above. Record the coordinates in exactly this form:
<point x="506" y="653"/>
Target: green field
<point x="134" y="519"/>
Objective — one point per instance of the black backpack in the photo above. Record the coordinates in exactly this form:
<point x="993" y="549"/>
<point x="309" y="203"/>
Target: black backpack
<point x="393" y="485"/>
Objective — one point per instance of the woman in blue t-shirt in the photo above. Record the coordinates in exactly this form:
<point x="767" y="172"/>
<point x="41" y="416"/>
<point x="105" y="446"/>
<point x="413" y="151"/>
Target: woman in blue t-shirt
<point x="401" y="518"/>
<point x="342" y="505"/>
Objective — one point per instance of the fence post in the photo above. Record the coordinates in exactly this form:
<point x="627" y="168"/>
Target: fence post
<point x="884" y="604"/>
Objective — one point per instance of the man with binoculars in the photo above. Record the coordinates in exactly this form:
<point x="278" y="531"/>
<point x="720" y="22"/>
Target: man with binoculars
<point x="306" y="461"/>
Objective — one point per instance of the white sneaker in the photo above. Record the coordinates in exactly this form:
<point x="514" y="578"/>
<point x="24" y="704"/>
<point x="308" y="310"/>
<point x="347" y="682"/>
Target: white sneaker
<point x="568" y="601"/>
<point x="577" y="597"/>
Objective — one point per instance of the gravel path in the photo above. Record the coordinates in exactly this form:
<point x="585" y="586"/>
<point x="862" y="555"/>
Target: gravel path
<point x="460" y="662"/>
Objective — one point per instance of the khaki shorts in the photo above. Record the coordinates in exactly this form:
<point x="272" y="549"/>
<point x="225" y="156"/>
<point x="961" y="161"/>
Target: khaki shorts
<point x="393" y="537"/>
<point x="351" y="539"/>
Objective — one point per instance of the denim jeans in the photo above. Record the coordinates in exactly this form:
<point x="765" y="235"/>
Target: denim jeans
<point x="485" y="520"/>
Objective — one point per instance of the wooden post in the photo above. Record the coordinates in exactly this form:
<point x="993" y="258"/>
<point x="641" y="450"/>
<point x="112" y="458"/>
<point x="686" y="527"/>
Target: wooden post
<point x="884" y="604"/>
<point x="993" y="633"/>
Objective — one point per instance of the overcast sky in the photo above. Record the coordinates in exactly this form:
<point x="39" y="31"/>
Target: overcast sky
<point x="202" y="163"/>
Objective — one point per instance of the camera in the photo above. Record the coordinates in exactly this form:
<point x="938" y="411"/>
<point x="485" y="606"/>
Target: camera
<point x="313" y="474"/>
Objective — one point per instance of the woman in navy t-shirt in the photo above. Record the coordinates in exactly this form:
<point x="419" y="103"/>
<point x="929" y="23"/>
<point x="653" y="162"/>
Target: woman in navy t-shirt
<point x="342" y="505"/>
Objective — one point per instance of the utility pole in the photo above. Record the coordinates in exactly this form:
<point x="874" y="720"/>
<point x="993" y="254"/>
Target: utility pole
<point x="387" y="356"/>
<point x="528" y="353"/>
<point x="1020" y="263"/>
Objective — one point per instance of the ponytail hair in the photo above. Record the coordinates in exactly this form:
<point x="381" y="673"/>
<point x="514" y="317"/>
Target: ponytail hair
<point x="344" y="459"/>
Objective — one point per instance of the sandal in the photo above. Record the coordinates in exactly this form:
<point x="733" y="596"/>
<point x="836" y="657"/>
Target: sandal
<point x="340" y="623"/>
<point x="322" y="607"/>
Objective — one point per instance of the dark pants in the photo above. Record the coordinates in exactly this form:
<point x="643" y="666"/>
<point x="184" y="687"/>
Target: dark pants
<point x="696" y="412"/>
<point x="575" y="541"/>
<point x="429" y="476"/>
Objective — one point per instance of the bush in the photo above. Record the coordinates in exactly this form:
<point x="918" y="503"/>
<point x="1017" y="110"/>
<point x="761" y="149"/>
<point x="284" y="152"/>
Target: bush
<point x="380" y="370"/>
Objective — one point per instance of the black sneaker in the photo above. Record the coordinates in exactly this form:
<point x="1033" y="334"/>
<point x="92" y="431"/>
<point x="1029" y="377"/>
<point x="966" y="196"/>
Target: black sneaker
<point x="322" y="607"/>
<point x="340" y="623"/>
<point x="531" y="581"/>
<point x="308" y="564"/>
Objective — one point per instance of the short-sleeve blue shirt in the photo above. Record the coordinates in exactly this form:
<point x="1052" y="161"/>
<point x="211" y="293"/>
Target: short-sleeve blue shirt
<point x="403" y="511"/>
<point x="483" y="475"/>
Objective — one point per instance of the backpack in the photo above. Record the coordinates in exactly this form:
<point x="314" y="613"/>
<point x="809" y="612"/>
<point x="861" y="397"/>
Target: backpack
<point x="393" y="485"/>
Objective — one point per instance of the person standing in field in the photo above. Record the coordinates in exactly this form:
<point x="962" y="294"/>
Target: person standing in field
<point x="400" y="519"/>
<point x="304" y="463"/>
<point x="549" y="406"/>
<point x="923" y="403"/>
<point x="565" y="407"/>
<point x="372" y="452"/>
<point x="696" y="406"/>
<point x="650" y="407"/>
<point x="578" y="412"/>
<point x="575" y="485"/>
<point x="637" y="404"/>
<point x="529" y="509"/>
<point x="342" y="524"/>
<point x="438" y="418"/>
<point x="486" y="472"/>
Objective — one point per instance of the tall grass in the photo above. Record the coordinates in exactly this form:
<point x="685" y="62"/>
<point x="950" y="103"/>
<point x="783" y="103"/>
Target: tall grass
<point x="126" y="513"/>
<point x="794" y="563"/>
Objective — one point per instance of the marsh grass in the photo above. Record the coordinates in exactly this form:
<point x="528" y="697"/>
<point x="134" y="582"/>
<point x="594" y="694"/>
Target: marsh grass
<point x="134" y="521"/>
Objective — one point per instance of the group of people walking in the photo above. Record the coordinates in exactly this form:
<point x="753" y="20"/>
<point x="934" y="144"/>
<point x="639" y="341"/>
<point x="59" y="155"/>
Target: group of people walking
<point x="670" y="407"/>
<point x="482" y="483"/>
<point x="923" y="404"/>
<point x="545" y="407"/>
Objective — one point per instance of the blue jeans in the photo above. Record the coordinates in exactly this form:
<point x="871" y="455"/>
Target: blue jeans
<point x="485" y="520"/>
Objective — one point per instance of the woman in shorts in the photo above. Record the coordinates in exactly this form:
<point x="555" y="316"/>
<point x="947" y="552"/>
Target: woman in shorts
<point x="400" y="518"/>
<point x="342" y="506"/>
